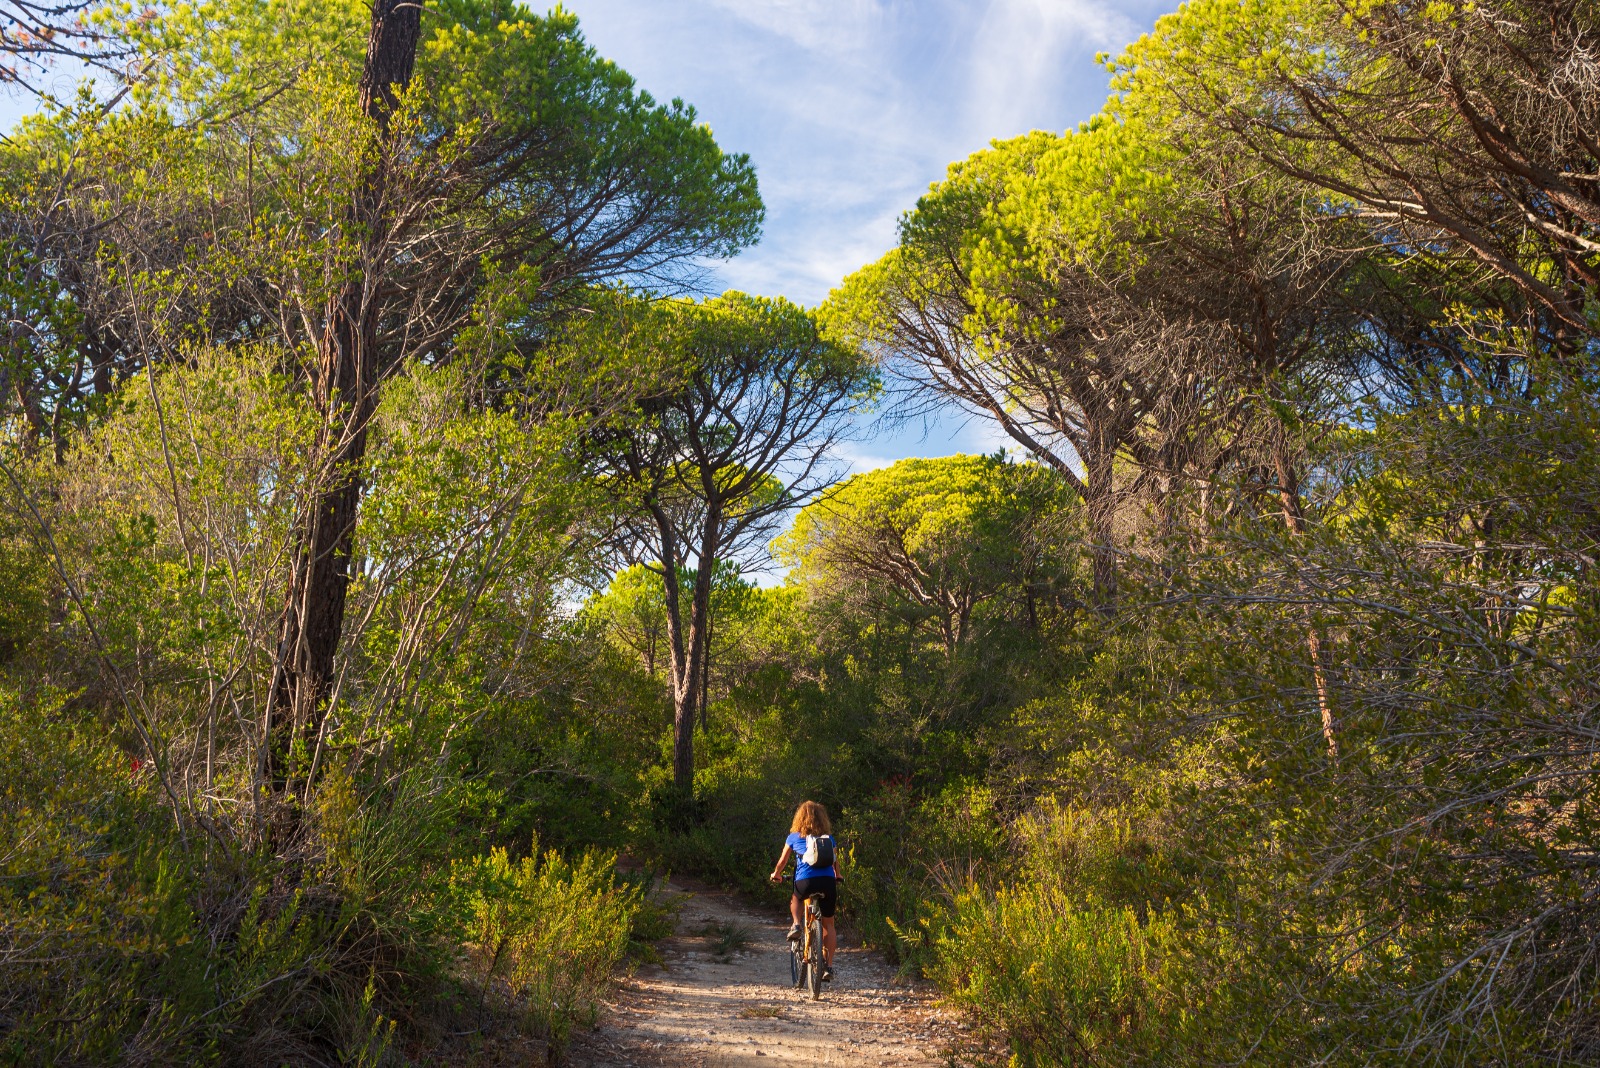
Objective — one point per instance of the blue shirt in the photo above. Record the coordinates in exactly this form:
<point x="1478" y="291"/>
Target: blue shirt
<point x="802" y="870"/>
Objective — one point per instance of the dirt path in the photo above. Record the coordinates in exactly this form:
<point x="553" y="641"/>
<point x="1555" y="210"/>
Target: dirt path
<point x="739" y="1009"/>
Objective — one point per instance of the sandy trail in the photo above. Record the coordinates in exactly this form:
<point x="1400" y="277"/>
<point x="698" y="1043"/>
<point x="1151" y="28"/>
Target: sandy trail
<point x="702" y="1012"/>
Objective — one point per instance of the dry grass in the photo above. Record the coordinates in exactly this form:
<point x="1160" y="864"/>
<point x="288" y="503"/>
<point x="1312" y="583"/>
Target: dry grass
<point x="761" y="1012"/>
<point x="726" y="939"/>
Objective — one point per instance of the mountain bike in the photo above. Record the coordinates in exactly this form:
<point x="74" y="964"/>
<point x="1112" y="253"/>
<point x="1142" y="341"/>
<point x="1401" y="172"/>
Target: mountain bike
<point x="806" y="959"/>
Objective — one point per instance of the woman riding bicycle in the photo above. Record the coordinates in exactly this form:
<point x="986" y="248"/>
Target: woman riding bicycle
<point x="811" y="820"/>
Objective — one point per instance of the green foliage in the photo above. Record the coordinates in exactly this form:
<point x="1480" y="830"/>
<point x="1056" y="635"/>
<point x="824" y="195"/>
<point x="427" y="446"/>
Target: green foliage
<point x="168" y="264"/>
<point x="124" y="938"/>
<point x="631" y="612"/>
<point x="933" y="540"/>
<point x="553" y="931"/>
<point x="24" y="574"/>
<point x="121" y="934"/>
<point x="1064" y="983"/>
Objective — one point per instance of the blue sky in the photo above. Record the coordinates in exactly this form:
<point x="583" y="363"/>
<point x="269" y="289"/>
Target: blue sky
<point x="850" y="108"/>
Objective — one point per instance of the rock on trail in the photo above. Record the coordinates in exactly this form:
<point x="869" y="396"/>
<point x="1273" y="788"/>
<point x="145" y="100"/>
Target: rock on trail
<point x="740" y="1011"/>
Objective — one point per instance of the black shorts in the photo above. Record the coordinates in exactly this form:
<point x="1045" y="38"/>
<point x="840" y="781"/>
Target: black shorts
<point x="826" y="885"/>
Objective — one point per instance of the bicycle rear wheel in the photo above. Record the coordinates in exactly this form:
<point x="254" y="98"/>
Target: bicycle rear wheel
<point x="814" y="965"/>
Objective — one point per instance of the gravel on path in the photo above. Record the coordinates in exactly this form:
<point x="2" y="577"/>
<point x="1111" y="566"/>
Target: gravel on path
<point x="740" y="1011"/>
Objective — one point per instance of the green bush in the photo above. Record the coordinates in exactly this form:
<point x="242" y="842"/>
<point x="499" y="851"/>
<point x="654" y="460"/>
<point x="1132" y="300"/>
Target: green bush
<point x="1059" y="982"/>
<point x="123" y="939"/>
<point x="1086" y="948"/>
<point x="551" y="930"/>
<point x="899" y="879"/>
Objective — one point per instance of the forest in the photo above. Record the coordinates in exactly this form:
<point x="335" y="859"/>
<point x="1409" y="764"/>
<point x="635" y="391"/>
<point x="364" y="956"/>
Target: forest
<point x="394" y="534"/>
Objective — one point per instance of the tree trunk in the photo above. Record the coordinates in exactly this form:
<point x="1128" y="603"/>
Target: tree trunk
<point x="313" y="617"/>
<point x="1294" y="519"/>
<point x="686" y="643"/>
<point x="1100" y="504"/>
<point x="705" y="672"/>
<point x="348" y="370"/>
<point x="677" y="657"/>
<point x="692" y="692"/>
<point x="36" y="428"/>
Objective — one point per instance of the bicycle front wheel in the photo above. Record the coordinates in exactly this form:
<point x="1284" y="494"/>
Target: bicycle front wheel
<point x="795" y="967"/>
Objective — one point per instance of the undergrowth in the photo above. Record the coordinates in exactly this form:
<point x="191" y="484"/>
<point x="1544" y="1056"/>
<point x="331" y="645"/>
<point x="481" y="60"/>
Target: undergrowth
<point x="129" y="938"/>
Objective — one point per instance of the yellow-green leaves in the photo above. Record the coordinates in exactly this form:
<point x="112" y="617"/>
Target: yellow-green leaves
<point x="936" y="506"/>
<point x="1006" y="220"/>
<point x="935" y="539"/>
<point x="220" y="60"/>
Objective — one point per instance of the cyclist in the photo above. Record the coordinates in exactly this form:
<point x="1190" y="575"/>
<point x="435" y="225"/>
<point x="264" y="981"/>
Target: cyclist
<point x="811" y="819"/>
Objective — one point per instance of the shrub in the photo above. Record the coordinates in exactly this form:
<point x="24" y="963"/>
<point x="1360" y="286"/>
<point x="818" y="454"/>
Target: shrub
<point x="123" y="940"/>
<point x="551" y="930"/>
<point x="1061" y="983"/>
<point x="896" y="879"/>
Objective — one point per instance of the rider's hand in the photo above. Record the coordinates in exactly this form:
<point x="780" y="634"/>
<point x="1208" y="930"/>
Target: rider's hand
<point x="775" y="877"/>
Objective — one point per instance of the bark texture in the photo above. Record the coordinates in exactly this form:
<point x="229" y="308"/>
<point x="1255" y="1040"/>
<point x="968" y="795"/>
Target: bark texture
<point x="348" y="371"/>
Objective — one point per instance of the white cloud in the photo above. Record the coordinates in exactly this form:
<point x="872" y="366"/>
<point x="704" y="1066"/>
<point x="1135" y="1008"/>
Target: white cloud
<point x="984" y="435"/>
<point x="1018" y="52"/>
<point x="816" y="257"/>
<point x="849" y="26"/>
<point x="858" y="461"/>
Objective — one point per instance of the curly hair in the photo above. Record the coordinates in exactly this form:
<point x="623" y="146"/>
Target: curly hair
<point x="811" y="818"/>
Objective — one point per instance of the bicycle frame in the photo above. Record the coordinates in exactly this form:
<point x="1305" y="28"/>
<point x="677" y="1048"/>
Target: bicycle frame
<point x="812" y="953"/>
<point x="808" y="953"/>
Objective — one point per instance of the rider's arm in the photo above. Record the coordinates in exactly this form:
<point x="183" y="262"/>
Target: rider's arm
<point x="783" y="862"/>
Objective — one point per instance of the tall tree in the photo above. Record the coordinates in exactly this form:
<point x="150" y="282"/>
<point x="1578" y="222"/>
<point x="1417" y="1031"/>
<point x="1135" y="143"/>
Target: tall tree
<point x="1014" y="294"/>
<point x="1255" y="254"/>
<point x="521" y="170"/>
<point x="346" y="381"/>
<point x="375" y="209"/>
<point x="754" y="402"/>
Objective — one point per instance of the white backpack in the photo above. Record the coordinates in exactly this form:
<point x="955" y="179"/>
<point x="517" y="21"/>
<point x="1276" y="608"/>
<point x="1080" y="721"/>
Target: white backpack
<point x="819" y="851"/>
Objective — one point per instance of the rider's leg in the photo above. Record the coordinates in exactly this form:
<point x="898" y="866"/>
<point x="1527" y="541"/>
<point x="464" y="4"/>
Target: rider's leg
<point x="830" y="939"/>
<point x="797" y="909"/>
